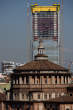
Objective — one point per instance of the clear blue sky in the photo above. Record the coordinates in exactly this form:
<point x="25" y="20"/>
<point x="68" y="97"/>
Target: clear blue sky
<point x="13" y="34"/>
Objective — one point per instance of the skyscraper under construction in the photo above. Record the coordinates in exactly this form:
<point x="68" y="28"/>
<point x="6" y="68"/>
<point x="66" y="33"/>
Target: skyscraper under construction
<point x="46" y="27"/>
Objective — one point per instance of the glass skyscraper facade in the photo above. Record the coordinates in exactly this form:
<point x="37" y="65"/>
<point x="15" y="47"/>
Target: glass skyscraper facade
<point x="46" y="27"/>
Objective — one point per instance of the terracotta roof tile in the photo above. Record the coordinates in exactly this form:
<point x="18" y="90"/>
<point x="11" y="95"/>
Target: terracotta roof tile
<point x="40" y="65"/>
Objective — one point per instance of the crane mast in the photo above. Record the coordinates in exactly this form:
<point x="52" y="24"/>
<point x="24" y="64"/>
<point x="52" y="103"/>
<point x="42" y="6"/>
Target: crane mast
<point x="28" y="32"/>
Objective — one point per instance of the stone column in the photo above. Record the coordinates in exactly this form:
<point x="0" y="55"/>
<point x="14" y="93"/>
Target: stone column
<point x="58" y="80"/>
<point x="25" y="80"/>
<point x="65" y="80"/>
<point x="53" y="79"/>
<point x="62" y="79"/>
<point x="6" y="106"/>
<point x="13" y="96"/>
<point x="47" y="96"/>
<point x="30" y="79"/>
<point x="35" y="79"/>
<point x="20" y="80"/>
<point x="43" y="80"/>
<point x="40" y="79"/>
<point x="16" y="81"/>
<point x="20" y="96"/>
<point x="41" y="106"/>
<point x="47" y="79"/>
<point x="69" y="80"/>
<point x="9" y="107"/>
<point x="3" y="106"/>
<point x="8" y="95"/>
<point x="43" y="95"/>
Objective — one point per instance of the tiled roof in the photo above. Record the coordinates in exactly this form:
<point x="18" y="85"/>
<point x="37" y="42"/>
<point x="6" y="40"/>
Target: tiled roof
<point x="63" y="99"/>
<point x="40" y="65"/>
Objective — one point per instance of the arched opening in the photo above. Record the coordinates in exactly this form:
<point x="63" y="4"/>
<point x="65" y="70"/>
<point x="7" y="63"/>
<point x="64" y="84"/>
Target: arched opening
<point x="17" y="108"/>
<point x="67" y="109"/>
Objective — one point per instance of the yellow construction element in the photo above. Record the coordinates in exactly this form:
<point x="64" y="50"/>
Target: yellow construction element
<point x="35" y="8"/>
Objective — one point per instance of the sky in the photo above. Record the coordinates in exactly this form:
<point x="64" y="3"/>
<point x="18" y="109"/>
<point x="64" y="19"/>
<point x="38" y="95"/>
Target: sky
<point x="13" y="30"/>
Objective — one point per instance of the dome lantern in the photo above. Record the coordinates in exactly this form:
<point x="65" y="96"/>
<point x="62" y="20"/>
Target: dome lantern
<point x="41" y="55"/>
<point x="40" y="48"/>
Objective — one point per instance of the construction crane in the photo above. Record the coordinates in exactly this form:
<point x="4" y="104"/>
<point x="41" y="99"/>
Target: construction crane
<point x="28" y="31"/>
<point x="61" y="33"/>
<point x="62" y="44"/>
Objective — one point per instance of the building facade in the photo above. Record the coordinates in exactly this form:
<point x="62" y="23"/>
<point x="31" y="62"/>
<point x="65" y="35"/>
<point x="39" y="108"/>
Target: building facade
<point x="40" y="85"/>
<point x="8" y="66"/>
<point x="46" y="26"/>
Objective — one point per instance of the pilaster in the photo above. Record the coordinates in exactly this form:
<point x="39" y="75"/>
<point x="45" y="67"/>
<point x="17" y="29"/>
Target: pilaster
<point x="20" y="96"/>
<point x="58" y="80"/>
<point x="62" y="79"/>
<point x="25" y="80"/>
<point x="69" y="80"/>
<point x="20" y="80"/>
<point x="53" y="79"/>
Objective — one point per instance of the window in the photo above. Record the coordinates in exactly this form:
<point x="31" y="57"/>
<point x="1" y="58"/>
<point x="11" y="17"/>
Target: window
<point x="13" y="81"/>
<point x="22" y="96"/>
<point x="45" y="96"/>
<point x="55" y="79"/>
<point x="37" y="82"/>
<point x="23" y="80"/>
<point x="45" y="78"/>
<point x="38" y="96"/>
<point x="53" y="109"/>
<point x="31" y="96"/>
<point x="70" y="94"/>
<point x="27" y="96"/>
<point x="67" y="109"/>
<point x="15" y="94"/>
<point x="13" y="107"/>
<point x="62" y="94"/>
<point x="6" y="107"/>
<point x="40" y="107"/>
<point x="49" y="95"/>
<point x="27" y="80"/>
<point x="17" y="108"/>
<point x="53" y="95"/>
<point x="33" y="79"/>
